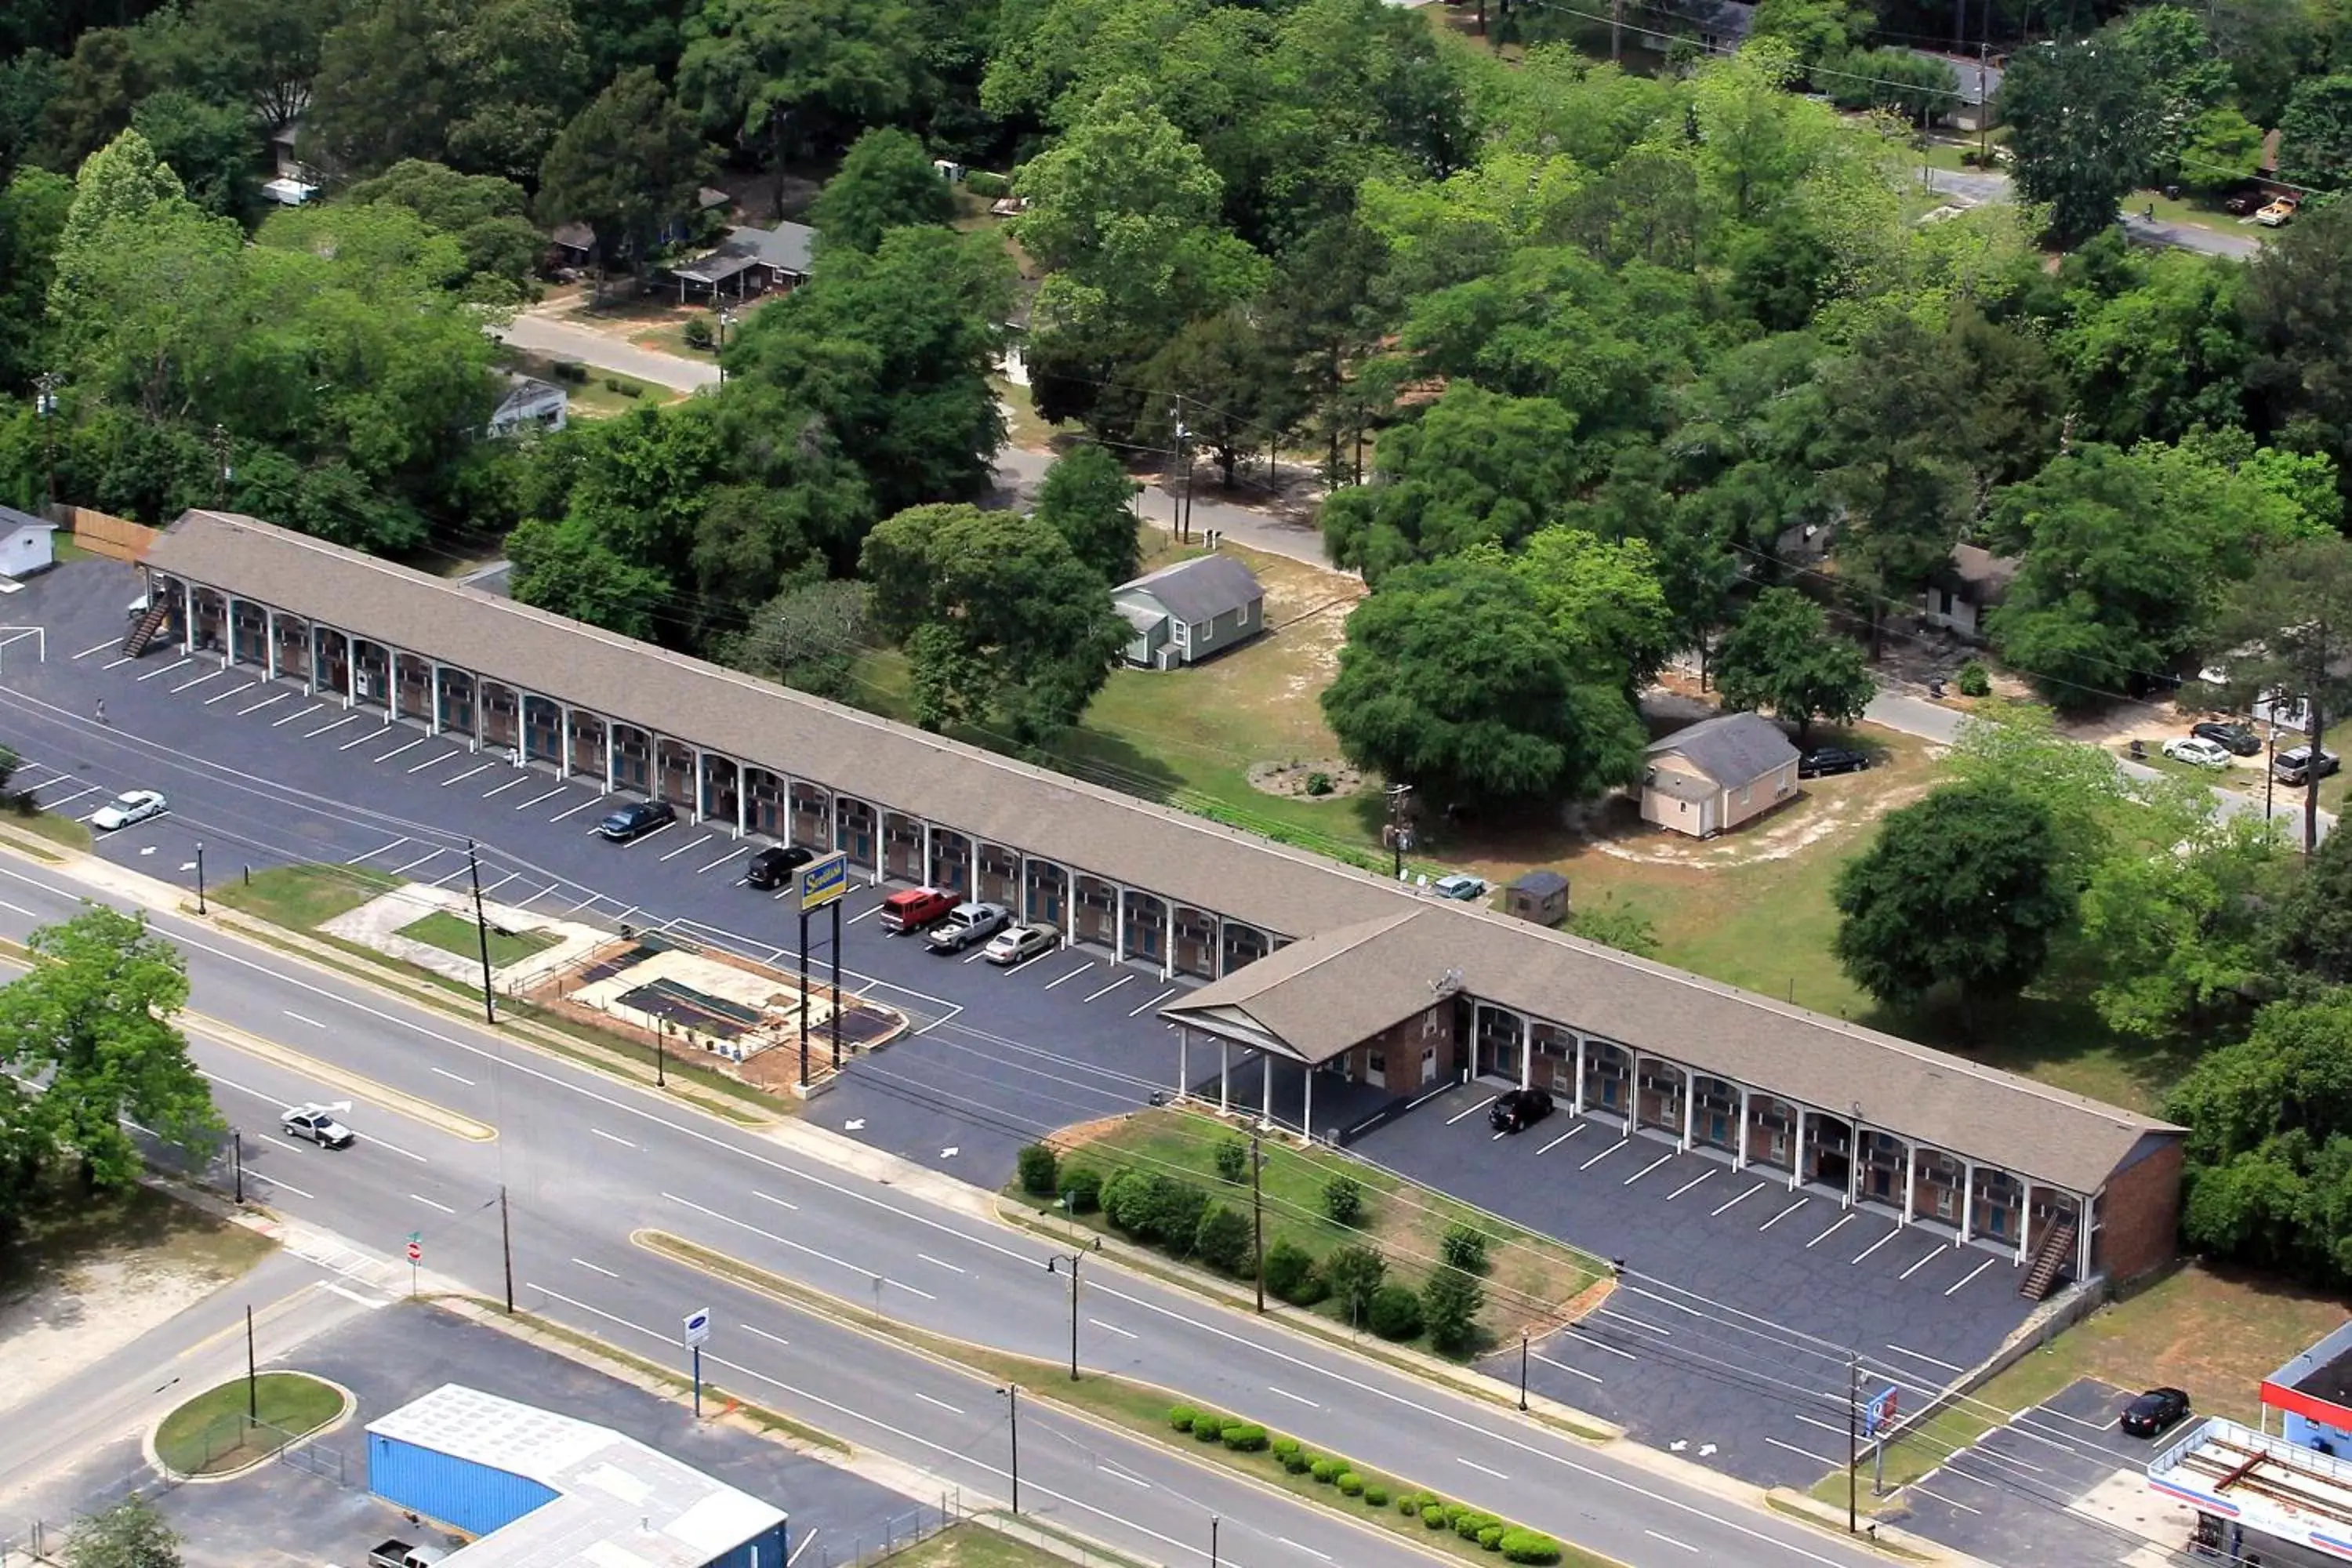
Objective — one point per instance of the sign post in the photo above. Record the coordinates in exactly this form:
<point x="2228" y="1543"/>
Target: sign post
<point x="697" y="1329"/>
<point x="415" y="1256"/>
<point x="1876" y="1416"/>
<point x="824" y="880"/>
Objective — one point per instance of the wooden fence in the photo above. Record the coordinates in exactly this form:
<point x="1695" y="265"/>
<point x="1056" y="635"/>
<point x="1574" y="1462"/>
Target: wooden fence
<point x="103" y="534"/>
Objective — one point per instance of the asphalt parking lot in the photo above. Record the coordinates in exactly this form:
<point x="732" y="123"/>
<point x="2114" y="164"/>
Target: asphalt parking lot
<point x="1727" y="1340"/>
<point x="262" y="775"/>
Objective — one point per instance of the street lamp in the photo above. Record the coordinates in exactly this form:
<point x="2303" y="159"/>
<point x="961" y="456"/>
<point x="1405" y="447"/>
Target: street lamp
<point x="725" y="320"/>
<point x="1012" y="1392"/>
<point x="1213" y="1540"/>
<point x="1054" y="1266"/>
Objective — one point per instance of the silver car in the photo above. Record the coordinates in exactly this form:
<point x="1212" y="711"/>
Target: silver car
<point x="1017" y="944"/>
<point x="132" y="806"/>
<point x="317" y="1124"/>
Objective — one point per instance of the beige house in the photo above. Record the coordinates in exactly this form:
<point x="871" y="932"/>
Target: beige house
<point x="1718" y="774"/>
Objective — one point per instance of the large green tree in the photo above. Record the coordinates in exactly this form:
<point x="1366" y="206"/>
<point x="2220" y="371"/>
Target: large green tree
<point x="2315" y="132"/>
<point x="1089" y="500"/>
<point x="1783" y="655"/>
<point x="625" y="166"/>
<point x="2287" y="630"/>
<point x="887" y="182"/>
<point x="2298" y="308"/>
<point x="2082" y="113"/>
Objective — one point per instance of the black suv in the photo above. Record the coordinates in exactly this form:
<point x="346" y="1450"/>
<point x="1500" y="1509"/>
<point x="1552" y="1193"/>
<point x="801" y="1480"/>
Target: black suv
<point x="1518" y="1109"/>
<point x="774" y="866"/>
<point x="637" y="821"/>
<point x="1824" y="760"/>
<point x="2238" y="740"/>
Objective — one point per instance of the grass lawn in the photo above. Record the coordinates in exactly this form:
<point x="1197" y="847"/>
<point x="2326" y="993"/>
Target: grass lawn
<point x="64" y="831"/>
<point x="209" y="1434"/>
<point x="973" y="1546"/>
<point x="593" y="399"/>
<point x="304" y="898"/>
<point x="463" y="937"/>
<point x="1026" y="426"/>
<point x="1530" y="1279"/>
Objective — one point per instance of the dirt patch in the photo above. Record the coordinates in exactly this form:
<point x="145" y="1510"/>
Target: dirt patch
<point x="1300" y="780"/>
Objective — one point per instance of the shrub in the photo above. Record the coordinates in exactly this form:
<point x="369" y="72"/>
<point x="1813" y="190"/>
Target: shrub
<point x="1245" y="1438"/>
<point x="612" y="384"/>
<point x="1284" y="1447"/>
<point x="1224" y="1241"/>
<point x="1432" y="1516"/>
<point x="698" y="333"/>
<point x="1491" y="1537"/>
<point x="1290" y="1274"/>
<point x="1298" y="1461"/>
<point x="1233" y="1158"/>
<point x="1082" y="1189"/>
<point x="981" y="183"/>
<point x="1450" y="1303"/>
<point x="1343" y="1200"/>
<point x="1208" y="1428"/>
<point x="1121" y="1194"/>
<point x="1354" y="1275"/>
<point x="1395" y="1313"/>
<point x="1349" y="1483"/>
<point x="1528" y="1546"/>
<point x="1177" y="1208"/>
<point x="1471" y="1522"/>
<point x="1318" y="784"/>
<point x="1974" y="681"/>
<point x="1039" y="1167"/>
<point x="1453" y="1512"/>
<point x="1326" y="1471"/>
<point x="1464" y="1246"/>
<point x="1413" y="1502"/>
<point x="1375" y="1495"/>
<point x="1181" y="1416"/>
<point x="631" y="389"/>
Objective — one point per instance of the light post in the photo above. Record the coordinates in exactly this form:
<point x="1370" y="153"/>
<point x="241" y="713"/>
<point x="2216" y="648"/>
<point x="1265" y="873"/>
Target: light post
<point x="2270" y="769"/>
<point x="1012" y="1392"/>
<point x="1054" y="1266"/>
<point x="1213" y="1540"/>
<point x="725" y="320"/>
<point x="1523" y="1369"/>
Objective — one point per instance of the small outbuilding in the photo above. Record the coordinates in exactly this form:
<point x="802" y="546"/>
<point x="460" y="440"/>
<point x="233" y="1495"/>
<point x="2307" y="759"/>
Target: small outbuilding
<point x="27" y="544"/>
<point x="1718" y="773"/>
<point x="530" y="404"/>
<point x="1540" y="897"/>
<point x="1968" y="590"/>
<point x="1183" y="614"/>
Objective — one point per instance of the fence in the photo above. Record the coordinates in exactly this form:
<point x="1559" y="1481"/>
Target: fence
<point x="230" y="1441"/>
<point x="103" y="534"/>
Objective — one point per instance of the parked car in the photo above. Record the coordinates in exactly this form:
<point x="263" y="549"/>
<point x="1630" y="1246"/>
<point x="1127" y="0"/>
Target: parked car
<point x="912" y="908"/>
<point x="965" y="924"/>
<point x="2238" y="740"/>
<point x="1457" y="886"/>
<point x="636" y="820"/>
<point x="2276" y="215"/>
<point x="2197" y="753"/>
<point x="1016" y="944"/>
<point x="401" y="1554"/>
<point x="774" y="866"/>
<point x="2292" y="767"/>
<point x="2154" y="1411"/>
<point x="317" y="1124"/>
<point x="1520" y="1109"/>
<point x="1824" y="760"/>
<point x="132" y="806"/>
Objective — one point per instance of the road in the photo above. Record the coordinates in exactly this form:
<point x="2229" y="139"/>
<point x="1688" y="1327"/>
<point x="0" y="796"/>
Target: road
<point x="1973" y="187"/>
<point x="591" y="1164"/>
<point x="559" y="339"/>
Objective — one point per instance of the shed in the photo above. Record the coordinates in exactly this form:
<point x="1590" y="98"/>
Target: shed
<point x="1541" y="896"/>
<point x="534" y="1488"/>
<point x="27" y="544"/>
<point x="1971" y="588"/>
<point x="530" y="404"/>
<point x="1183" y="614"/>
<point x="1718" y="773"/>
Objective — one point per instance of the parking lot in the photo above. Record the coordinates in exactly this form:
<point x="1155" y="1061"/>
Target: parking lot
<point x="261" y="775"/>
<point x="1730" y="1334"/>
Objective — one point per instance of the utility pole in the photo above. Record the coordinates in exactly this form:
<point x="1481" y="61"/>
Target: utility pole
<point x="220" y="462"/>
<point x="1053" y="1265"/>
<point x="1616" y="26"/>
<point x="1398" y="794"/>
<point x="236" y="1155"/>
<point x="506" y="1246"/>
<point x="1213" y="1518"/>
<point x="2270" y="770"/>
<point x="482" y="930"/>
<point x="1523" y="1369"/>
<point x="252" y="1383"/>
<point x="1852" y="1433"/>
<point x="44" y="403"/>
<point x="1012" y="1392"/>
<point x="1257" y="1213"/>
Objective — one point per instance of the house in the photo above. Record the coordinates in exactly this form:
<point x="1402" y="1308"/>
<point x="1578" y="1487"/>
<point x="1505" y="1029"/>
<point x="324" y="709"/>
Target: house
<point x="1183" y="614"/>
<point x="27" y="544"/>
<point x="749" y="261"/>
<point x="1975" y="585"/>
<point x="1718" y="773"/>
<point x="530" y="404"/>
<point x="575" y="243"/>
<point x="1540" y="897"/>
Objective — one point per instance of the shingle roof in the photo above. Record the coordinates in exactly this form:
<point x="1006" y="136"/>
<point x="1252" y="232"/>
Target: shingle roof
<point x="1380" y="942"/>
<point x="11" y="519"/>
<point x="1200" y="589"/>
<point x="1543" y="882"/>
<point x="1732" y="749"/>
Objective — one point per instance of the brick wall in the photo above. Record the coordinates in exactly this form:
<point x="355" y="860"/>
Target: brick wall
<point x="2140" y="1215"/>
<point x="1399" y="1047"/>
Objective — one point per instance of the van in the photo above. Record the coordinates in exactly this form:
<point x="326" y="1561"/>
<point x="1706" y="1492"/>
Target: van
<point x="915" y="908"/>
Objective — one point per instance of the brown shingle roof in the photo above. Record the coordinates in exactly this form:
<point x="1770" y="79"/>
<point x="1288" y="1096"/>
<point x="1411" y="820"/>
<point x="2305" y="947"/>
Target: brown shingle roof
<point x="1381" y="947"/>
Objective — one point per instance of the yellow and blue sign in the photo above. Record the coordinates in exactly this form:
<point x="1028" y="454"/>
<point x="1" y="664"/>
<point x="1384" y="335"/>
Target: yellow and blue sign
<point x="824" y="880"/>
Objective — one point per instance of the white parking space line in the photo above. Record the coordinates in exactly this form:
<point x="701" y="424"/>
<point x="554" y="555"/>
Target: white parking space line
<point x="534" y="800"/>
<point x="1843" y="1220"/>
<point x="233" y="691"/>
<point x="1647" y="1169"/>
<point x="1155" y="1001"/>
<point x="469" y="772"/>
<point x="1874" y="1246"/>
<point x="1571" y="1371"/>
<point x="100" y="647"/>
<point x="445" y="877"/>
<point x="1604" y="1153"/>
<point x="180" y="663"/>
<point x="1923" y="1263"/>
<point x="1687" y="1186"/>
<point x="191" y="685"/>
<point x="980" y="952"/>
<point x="1073" y="975"/>
<point x="1971" y="1274"/>
<point x="1586" y="1340"/>
<point x="403" y="870"/>
<point x="1109" y="988"/>
<point x="591" y="801"/>
<point x="368" y="737"/>
<point x="591" y="898"/>
<point x="1742" y="1198"/>
<point x="702" y="870"/>
<point x="404" y="750"/>
<point x="519" y="778"/>
<point x="1922" y="1355"/>
<point x="1563" y="1138"/>
<point x="1807" y="1453"/>
<point x="1940" y="1498"/>
<point x="290" y="718"/>
<point x="58" y="804"/>
<point x="382" y="849"/>
<point x="272" y="700"/>
<point x="501" y="882"/>
<point x="1473" y="1110"/>
<point x="1784" y="1213"/>
<point x="428" y="1202"/>
<point x="703" y="843"/>
<point x="110" y="663"/>
<point x="434" y="761"/>
<point x="862" y="914"/>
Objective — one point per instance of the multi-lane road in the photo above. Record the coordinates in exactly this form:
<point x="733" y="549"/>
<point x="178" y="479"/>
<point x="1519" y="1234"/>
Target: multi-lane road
<point x="591" y="1165"/>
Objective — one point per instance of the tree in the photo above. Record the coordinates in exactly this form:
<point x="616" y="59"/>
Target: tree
<point x="130" y="1534"/>
<point x="1236" y="390"/>
<point x="94" y="1020"/>
<point x="121" y="184"/>
<point x="2315" y="132"/>
<point x="486" y="215"/>
<point x="2081" y="113"/>
<point x="628" y="164"/>
<point x="564" y="565"/>
<point x="211" y="147"/>
<point x="1957" y="893"/>
<point x="2222" y="148"/>
<point x="1453" y="679"/>
<point x="2288" y="628"/>
<point x="1603" y="600"/>
<point x="481" y="85"/>
<point x="90" y="95"/>
<point x="1916" y="87"/>
<point x="1613" y="924"/>
<point x="2298" y="308"/>
<point x="809" y="638"/>
<point x="887" y="182"/>
<point x="1354" y="1273"/>
<point x="1818" y="30"/>
<point x="262" y="54"/>
<point x="1783" y="655"/>
<point x="1003" y="623"/>
<point x="1451" y="1301"/>
<point x="1088" y="500"/>
<point x="33" y="208"/>
<point x="2309" y="933"/>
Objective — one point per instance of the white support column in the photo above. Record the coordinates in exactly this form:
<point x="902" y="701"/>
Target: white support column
<point x="1307" y="1111"/>
<point x="1852" y="1162"/>
<point x="1910" y="1179"/>
<point x="310" y="664"/>
<point x="1527" y="1052"/>
<point x="269" y="642"/>
<point x="1690" y="1105"/>
<point x="1069" y="905"/>
<point x="1739" y="1144"/>
<point x="612" y="754"/>
<point x="1217" y="959"/>
<point x="1224" y="1076"/>
<point x="563" y="742"/>
<point x="923" y="877"/>
<point x="1166" y="942"/>
<point x="1119" y="930"/>
<point x="1183" y="1077"/>
<point x="1576" y="1099"/>
<point x="2088" y="1209"/>
<point x="1265" y="1073"/>
<point x="2025" y="1224"/>
<point x="1968" y="1200"/>
<point x="187" y="617"/>
<point x="701" y="786"/>
<point x="432" y="697"/>
<point x="744" y="805"/>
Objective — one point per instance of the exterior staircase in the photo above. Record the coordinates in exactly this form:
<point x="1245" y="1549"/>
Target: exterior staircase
<point x="2057" y="1252"/>
<point x="143" y="631"/>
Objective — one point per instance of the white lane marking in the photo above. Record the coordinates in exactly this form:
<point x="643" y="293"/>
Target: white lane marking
<point x="191" y="685"/>
<point x="1482" y="1469"/>
<point x="1073" y="975"/>
<point x="1647" y="1169"/>
<point x="385" y="849"/>
<point x="1784" y="1213"/>
<point x="798" y="1246"/>
<point x="404" y="750"/>
<point x="755" y="1329"/>
<point x="1298" y="1397"/>
<point x="1922" y="1355"/>
<point x="591" y="801"/>
<point x="780" y="1203"/>
<point x="1571" y="1371"/>
<point x="1109" y="988"/>
<point x="650" y="1333"/>
<point x="1921" y="1264"/>
<point x="595" y="1268"/>
<point x="715" y="864"/>
<point x="519" y="778"/>
<point x="941" y="1403"/>
<point x="1308" y="1550"/>
<point x="1473" y="1110"/>
<point x="445" y="1072"/>
<point x="1873" y="1247"/>
<point x="270" y="701"/>
<point x="1563" y="1138"/>
<point x="469" y="772"/>
<point x="692" y="844"/>
<point x="1844" y="1221"/>
<point x="534" y="800"/>
<point x="1113" y="1471"/>
<point x="612" y="1138"/>
<point x="180" y="663"/>
<point x="99" y="648"/>
<point x="1604" y="1153"/>
<point x="400" y="870"/>
<point x="1670" y="1540"/>
<point x="428" y="1202"/>
<point x="1741" y="1198"/>
<point x="404" y="1153"/>
<point x="330" y="724"/>
<point x="299" y="1018"/>
<point x="1156" y="1000"/>
<point x="274" y="1181"/>
<point x="1687" y="1186"/>
<point x="290" y="718"/>
<point x="942" y="1263"/>
<point x="1113" y="1329"/>
<point x="1973" y="1274"/>
<point x="233" y="691"/>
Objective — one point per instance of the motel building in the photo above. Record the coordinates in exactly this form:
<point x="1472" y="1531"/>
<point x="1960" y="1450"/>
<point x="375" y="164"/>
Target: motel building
<point x="1355" y="994"/>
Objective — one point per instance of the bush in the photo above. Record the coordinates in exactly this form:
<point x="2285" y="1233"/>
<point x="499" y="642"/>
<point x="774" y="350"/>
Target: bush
<point x="1233" y="1158"/>
<point x="1354" y="1275"/>
<point x="1974" y="681"/>
<point x="1491" y="1537"/>
<point x="1290" y="1274"/>
<point x="1245" y="1438"/>
<point x="1375" y="1495"/>
<point x="1224" y="1241"/>
<point x="1454" y="1513"/>
<point x="981" y="183"/>
<point x="1464" y="1246"/>
<point x="1284" y="1447"/>
<point x="698" y="333"/>
<point x="631" y="389"/>
<point x="1470" y="1522"/>
<point x="1039" y="1166"/>
<point x="1395" y="1313"/>
<point x="1127" y="1200"/>
<point x="1413" y="1502"/>
<point x="1082" y="1189"/>
<point x="1177" y="1208"/>
<point x="1318" y="784"/>
<point x="1181" y="1416"/>
<point x="1349" y="1483"/>
<point x="612" y="384"/>
<point x="1343" y="1200"/>
<point x="1528" y="1546"/>
<point x="1450" y="1304"/>
<point x="1298" y="1461"/>
<point x="1432" y="1516"/>
<point x="1208" y="1428"/>
<point x="1326" y="1469"/>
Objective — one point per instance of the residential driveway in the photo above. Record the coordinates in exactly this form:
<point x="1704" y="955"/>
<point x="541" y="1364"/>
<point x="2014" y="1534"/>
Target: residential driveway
<point x="562" y="340"/>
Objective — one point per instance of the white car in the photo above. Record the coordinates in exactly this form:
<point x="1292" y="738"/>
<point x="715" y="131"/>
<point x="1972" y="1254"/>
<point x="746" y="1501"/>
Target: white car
<point x="2197" y="751"/>
<point x="133" y="805"/>
<point x="317" y="1124"/>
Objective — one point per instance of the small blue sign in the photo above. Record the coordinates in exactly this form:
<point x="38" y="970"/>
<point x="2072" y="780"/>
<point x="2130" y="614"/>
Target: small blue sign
<point x="1878" y="1411"/>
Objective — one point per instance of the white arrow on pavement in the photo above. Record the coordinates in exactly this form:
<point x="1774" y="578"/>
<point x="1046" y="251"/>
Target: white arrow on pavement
<point x="855" y="1124"/>
<point x="1705" y="1449"/>
<point x="184" y="865"/>
<point x="150" y="849"/>
<point x="950" y="1152"/>
<point x="1677" y="1445"/>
